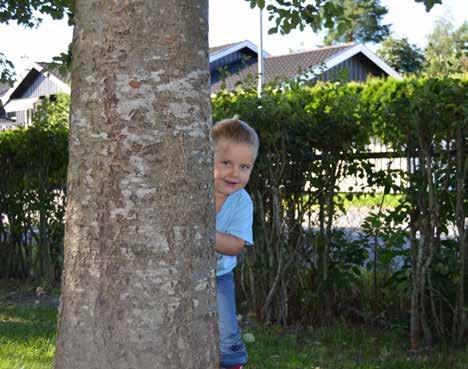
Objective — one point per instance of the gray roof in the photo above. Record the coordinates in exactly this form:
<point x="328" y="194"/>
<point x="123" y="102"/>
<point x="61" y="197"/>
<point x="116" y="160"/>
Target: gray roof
<point x="54" y="69"/>
<point x="216" y="49"/>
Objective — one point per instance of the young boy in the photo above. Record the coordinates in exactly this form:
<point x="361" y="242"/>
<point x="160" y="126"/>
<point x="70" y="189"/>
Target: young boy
<point x="236" y="146"/>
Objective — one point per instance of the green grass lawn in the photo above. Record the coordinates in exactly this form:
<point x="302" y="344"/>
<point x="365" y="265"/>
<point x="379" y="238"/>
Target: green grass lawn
<point x="27" y="337"/>
<point x="342" y="347"/>
<point x="27" y="341"/>
<point x="364" y="200"/>
<point x="369" y="200"/>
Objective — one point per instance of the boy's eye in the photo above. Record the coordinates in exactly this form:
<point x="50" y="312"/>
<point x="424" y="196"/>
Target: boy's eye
<point x="225" y="162"/>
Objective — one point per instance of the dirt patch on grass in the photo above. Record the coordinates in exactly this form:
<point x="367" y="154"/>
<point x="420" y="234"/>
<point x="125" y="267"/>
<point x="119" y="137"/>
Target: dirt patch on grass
<point x="19" y="293"/>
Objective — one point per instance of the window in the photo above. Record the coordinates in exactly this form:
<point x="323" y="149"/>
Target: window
<point x="11" y="115"/>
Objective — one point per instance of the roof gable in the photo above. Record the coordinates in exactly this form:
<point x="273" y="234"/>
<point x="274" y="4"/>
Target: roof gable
<point x="30" y="77"/>
<point x="21" y="85"/>
<point x="283" y="67"/>
<point x="218" y="48"/>
<point x="354" y="50"/>
<point x="219" y="52"/>
<point x="307" y="63"/>
<point x="294" y="64"/>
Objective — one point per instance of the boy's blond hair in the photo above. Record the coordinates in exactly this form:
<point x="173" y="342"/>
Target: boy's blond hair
<point x="235" y="130"/>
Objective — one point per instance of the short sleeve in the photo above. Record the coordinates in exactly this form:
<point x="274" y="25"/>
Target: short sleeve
<point x="241" y="223"/>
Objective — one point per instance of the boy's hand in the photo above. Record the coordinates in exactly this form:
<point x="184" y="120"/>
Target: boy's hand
<point x="229" y="245"/>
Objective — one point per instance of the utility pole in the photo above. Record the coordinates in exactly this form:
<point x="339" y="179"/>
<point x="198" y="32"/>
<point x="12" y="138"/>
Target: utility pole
<point x="260" y="57"/>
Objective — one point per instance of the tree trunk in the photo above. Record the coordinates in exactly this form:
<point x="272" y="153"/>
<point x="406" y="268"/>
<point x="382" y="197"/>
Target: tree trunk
<point x="415" y="262"/>
<point x="460" y="216"/>
<point x="330" y="213"/>
<point x="138" y="285"/>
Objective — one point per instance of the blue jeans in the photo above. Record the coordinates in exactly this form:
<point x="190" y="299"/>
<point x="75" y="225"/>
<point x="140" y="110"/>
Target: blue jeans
<point x="233" y="350"/>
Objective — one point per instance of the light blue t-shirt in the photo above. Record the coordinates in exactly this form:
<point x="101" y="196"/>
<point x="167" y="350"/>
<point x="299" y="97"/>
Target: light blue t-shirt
<point x="234" y="218"/>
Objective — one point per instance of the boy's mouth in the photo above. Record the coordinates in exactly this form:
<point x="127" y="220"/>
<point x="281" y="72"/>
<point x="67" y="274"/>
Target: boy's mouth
<point x="231" y="183"/>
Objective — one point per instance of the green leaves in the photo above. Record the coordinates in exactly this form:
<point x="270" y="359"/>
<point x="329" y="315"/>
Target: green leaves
<point x="28" y="12"/>
<point x="401" y="55"/>
<point x="297" y="14"/>
<point x="253" y="3"/>
<point x="446" y="53"/>
<point x="429" y="3"/>
<point x="7" y="72"/>
<point x="34" y="166"/>
<point x="361" y="22"/>
<point x="350" y="20"/>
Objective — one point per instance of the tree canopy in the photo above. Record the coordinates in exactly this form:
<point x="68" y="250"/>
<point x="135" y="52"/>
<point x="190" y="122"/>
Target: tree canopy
<point x="401" y="55"/>
<point x="7" y="73"/>
<point x="363" y="23"/>
<point x="446" y="52"/>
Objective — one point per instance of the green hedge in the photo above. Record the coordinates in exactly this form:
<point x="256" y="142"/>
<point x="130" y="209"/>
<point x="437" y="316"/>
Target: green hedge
<point x="310" y="137"/>
<point x="302" y="268"/>
<point x="34" y="162"/>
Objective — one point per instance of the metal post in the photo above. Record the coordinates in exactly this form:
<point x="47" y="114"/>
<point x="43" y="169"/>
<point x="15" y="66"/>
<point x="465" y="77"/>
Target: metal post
<point x="260" y="58"/>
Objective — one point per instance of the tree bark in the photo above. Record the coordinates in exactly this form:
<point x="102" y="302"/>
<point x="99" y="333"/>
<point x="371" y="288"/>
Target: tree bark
<point x="415" y="263"/>
<point x="138" y="285"/>
<point x="460" y="216"/>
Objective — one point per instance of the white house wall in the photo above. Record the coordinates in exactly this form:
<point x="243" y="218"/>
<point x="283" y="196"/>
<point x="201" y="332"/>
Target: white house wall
<point x="21" y="117"/>
<point x="21" y="106"/>
<point x="42" y="86"/>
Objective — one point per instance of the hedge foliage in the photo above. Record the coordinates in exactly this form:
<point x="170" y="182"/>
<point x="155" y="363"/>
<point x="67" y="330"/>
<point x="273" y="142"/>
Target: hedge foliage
<point x="303" y="267"/>
<point x="34" y="163"/>
<point x="307" y="268"/>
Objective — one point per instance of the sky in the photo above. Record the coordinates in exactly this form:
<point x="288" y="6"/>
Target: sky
<point x="232" y="21"/>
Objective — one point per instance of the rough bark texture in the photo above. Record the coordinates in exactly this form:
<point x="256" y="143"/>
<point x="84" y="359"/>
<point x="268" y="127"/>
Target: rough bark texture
<point x="138" y="285"/>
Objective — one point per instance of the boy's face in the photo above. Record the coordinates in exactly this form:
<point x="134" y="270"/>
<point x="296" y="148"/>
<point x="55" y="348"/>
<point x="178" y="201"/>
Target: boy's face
<point x="233" y="163"/>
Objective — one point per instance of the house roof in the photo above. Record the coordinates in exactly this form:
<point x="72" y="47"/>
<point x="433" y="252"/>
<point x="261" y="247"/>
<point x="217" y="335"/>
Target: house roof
<point x="284" y="67"/>
<point x="20" y="82"/>
<point x="218" y="52"/>
<point x="54" y="70"/>
<point x="215" y="49"/>
<point x="290" y="65"/>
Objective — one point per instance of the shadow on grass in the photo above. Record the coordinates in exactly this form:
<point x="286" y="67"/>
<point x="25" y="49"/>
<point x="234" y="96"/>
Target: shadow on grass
<point x="18" y="323"/>
<point x="342" y="347"/>
<point x="27" y="340"/>
<point x="27" y="337"/>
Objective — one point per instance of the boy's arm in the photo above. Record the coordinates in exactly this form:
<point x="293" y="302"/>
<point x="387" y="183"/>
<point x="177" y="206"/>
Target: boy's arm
<point x="228" y="245"/>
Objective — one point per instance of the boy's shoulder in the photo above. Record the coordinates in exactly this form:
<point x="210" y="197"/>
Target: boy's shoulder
<point x="242" y="196"/>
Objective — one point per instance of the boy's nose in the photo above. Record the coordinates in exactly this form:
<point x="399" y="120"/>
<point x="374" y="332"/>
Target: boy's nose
<point x="235" y="172"/>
